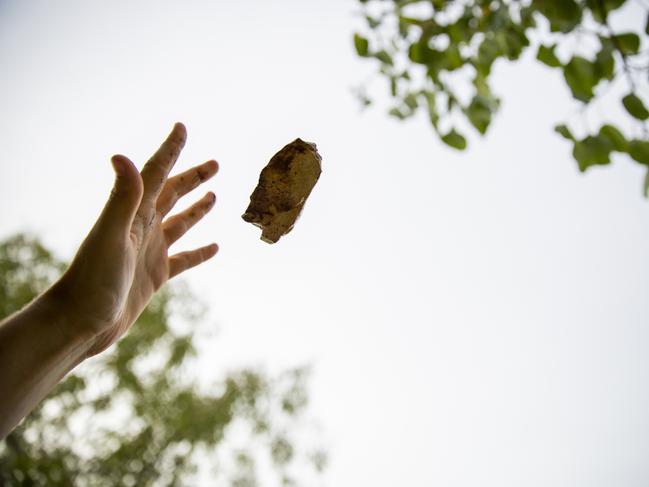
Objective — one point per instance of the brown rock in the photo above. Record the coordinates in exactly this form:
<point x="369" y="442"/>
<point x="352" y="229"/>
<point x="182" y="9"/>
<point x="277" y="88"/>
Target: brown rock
<point x="284" y="185"/>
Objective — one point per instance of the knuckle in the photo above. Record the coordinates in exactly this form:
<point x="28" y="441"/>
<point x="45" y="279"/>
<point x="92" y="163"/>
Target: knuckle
<point x="119" y="189"/>
<point x="194" y="181"/>
<point x="169" y="199"/>
<point x="178" y="138"/>
<point x="202" y="174"/>
<point x="183" y="227"/>
<point x="174" y="151"/>
<point x="116" y="192"/>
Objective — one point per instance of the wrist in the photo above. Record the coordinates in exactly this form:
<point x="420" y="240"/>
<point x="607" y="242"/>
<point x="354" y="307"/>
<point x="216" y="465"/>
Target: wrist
<point x="55" y="303"/>
<point x="38" y="347"/>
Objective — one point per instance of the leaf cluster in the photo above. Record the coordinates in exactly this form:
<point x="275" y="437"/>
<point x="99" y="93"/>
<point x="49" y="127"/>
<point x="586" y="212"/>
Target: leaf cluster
<point x="437" y="56"/>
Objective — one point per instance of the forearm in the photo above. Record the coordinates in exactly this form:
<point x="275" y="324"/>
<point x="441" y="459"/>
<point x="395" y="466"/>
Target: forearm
<point x="37" y="349"/>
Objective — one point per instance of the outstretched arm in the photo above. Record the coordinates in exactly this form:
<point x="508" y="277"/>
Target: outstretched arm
<point x="120" y="265"/>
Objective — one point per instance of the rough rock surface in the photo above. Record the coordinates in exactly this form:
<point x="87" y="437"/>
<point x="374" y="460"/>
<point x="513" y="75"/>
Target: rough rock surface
<point x="284" y="185"/>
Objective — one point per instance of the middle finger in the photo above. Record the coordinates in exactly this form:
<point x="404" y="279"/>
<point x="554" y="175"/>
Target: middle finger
<point x="181" y="184"/>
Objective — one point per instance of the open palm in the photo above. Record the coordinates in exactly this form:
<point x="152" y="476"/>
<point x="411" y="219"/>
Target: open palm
<point x="124" y="260"/>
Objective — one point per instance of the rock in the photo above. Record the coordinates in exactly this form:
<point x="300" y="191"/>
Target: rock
<point x="284" y="185"/>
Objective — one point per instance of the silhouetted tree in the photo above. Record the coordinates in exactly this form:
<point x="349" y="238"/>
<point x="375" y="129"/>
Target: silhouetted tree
<point x="135" y="415"/>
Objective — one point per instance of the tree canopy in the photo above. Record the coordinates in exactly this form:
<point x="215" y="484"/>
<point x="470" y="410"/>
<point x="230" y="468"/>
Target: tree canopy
<point x="136" y="414"/>
<point x="438" y="55"/>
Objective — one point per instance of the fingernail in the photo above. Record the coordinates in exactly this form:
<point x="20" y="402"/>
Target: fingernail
<point x="118" y="165"/>
<point x="180" y="128"/>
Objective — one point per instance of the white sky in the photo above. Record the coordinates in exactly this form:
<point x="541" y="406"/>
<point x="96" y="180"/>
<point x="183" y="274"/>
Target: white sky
<point x="472" y="319"/>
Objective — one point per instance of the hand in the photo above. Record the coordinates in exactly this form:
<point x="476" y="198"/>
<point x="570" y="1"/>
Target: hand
<point x="124" y="259"/>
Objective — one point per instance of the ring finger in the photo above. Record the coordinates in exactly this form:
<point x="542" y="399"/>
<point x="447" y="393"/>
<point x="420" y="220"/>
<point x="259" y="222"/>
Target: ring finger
<point x="176" y="226"/>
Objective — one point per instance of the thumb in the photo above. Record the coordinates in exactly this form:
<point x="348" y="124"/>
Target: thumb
<point x="125" y="196"/>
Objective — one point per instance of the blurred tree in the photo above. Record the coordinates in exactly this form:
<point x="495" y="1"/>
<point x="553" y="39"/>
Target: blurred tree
<point x="134" y="415"/>
<point x="437" y="55"/>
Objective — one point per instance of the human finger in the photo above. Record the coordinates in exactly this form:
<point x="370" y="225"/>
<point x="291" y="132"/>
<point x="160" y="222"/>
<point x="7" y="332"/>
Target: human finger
<point x="177" y="225"/>
<point x="181" y="184"/>
<point x="124" y="200"/>
<point x="155" y="171"/>
<point x="182" y="261"/>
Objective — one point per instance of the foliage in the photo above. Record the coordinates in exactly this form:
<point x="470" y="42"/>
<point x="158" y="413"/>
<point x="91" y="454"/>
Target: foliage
<point x="135" y="415"/>
<point x="437" y="55"/>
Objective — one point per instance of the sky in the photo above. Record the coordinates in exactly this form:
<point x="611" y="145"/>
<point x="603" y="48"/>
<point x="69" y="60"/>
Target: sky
<point x="475" y="318"/>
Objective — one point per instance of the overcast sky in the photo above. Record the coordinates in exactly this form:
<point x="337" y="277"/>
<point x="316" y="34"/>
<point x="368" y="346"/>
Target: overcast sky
<point x="472" y="319"/>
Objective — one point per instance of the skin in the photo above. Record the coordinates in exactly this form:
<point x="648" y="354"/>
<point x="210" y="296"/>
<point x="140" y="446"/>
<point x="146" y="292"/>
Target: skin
<point x="122" y="262"/>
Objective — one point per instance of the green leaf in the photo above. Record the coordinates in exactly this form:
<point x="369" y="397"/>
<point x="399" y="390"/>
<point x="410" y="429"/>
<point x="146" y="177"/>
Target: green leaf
<point x="453" y="58"/>
<point x="450" y="102"/>
<point x="420" y="53"/>
<point x="615" y="137"/>
<point x="611" y="5"/>
<point x="515" y="41"/>
<point x="629" y="43"/>
<point x="527" y="14"/>
<point x="393" y="86"/>
<point x="455" y="139"/>
<point x="411" y="101"/>
<point x="362" y="45"/>
<point x="639" y="151"/>
<point x="408" y="21"/>
<point x="604" y="61"/>
<point x="384" y="57"/>
<point x="601" y="8"/>
<point x="460" y="31"/>
<point x="479" y="113"/>
<point x="564" y="15"/>
<point x="580" y="74"/>
<point x="395" y="112"/>
<point x="432" y="108"/>
<point x="635" y="107"/>
<point x="646" y="27"/>
<point x="372" y="22"/>
<point x="181" y="347"/>
<point x="564" y="131"/>
<point x="481" y="85"/>
<point x="546" y="56"/>
<point x="488" y="52"/>
<point x="646" y="184"/>
<point x="593" y="150"/>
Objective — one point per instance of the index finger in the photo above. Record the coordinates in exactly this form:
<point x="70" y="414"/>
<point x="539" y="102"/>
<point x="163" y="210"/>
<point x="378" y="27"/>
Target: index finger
<point x="155" y="171"/>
